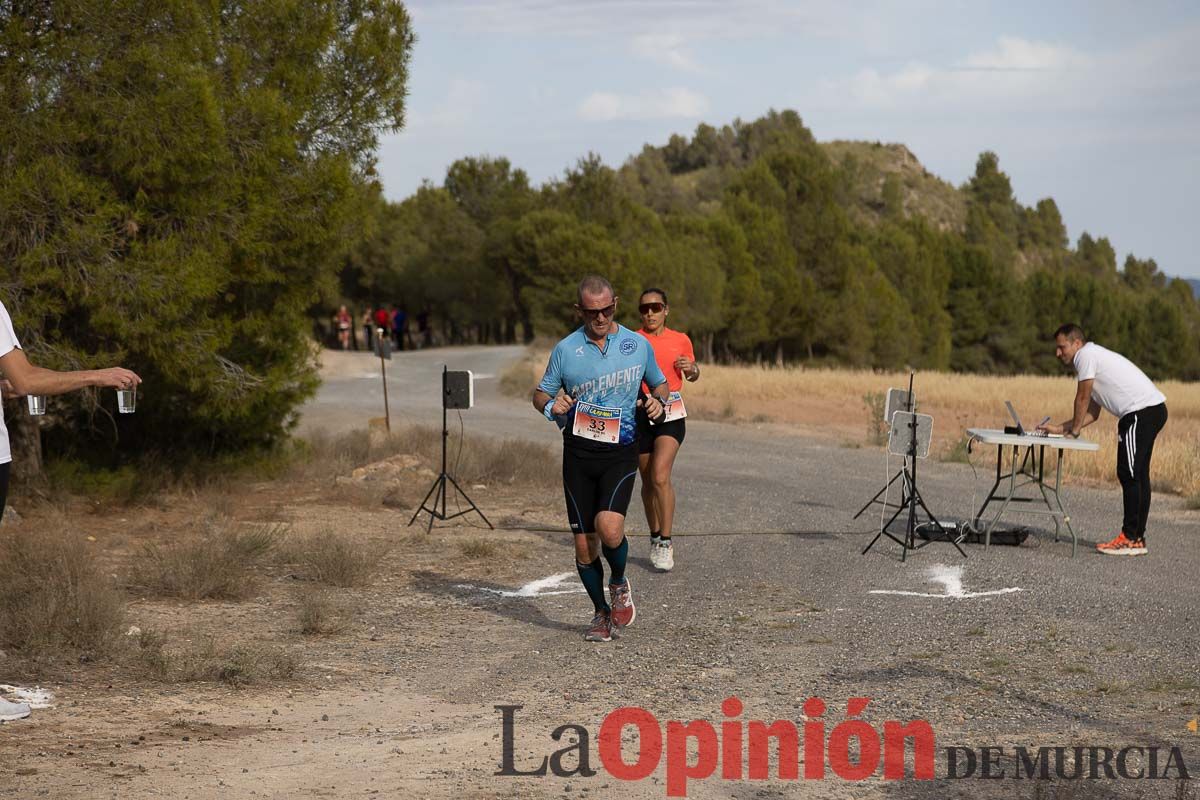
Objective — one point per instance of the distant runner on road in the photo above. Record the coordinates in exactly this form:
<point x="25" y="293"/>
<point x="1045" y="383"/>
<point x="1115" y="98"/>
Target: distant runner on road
<point x="659" y="444"/>
<point x="599" y="370"/>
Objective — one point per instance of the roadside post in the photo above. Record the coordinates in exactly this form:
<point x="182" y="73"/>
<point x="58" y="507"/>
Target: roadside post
<point x="383" y="349"/>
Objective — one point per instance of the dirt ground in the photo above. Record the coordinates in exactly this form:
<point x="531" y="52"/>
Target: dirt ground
<point x="113" y="732"/>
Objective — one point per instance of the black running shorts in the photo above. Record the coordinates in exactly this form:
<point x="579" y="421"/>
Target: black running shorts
<point x="595" y="481"/>
<point x="647" y="433"/>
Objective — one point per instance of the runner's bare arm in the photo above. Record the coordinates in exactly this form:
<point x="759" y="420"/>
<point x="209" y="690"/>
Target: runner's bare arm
<point x="29" y="379"/>
<point x="562" y="403"/>
<point x="653" y="404"/>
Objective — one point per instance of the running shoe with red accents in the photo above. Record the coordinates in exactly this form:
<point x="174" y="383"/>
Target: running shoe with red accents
<point x="601" y="629"/>
<point x="1123" y="546"/>
<point x="621" y="600"/>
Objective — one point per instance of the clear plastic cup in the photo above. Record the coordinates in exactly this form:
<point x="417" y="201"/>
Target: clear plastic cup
<point x="37" y="404"/>
<point x="126" y="400"/>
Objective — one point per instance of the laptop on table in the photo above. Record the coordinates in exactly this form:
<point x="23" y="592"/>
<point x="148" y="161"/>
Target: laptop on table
<point x="1012" y="412"/>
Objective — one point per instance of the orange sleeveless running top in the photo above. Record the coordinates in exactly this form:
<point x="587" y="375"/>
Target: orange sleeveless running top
<point x="668" y="346"/>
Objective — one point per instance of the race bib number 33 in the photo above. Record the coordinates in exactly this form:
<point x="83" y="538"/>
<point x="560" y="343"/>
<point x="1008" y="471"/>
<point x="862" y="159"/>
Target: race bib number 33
<point x="598" y="423"/>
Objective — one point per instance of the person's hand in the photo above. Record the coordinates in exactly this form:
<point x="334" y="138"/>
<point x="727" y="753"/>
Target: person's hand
<point x="562" y="404"/>
<point x="685" y="365"/>
<point x="1053" y="428"/>
<point x="653" y="407"/>
<point x="116" y="378"/>
<point x="8" y="390"/>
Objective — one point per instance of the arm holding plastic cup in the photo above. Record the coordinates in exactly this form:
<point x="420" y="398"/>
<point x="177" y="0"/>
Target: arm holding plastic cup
<point x="27" y="379"/>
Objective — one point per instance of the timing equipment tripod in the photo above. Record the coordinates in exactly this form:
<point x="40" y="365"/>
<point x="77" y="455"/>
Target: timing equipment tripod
<point x="907" y="428"/>
<point x="439" y="488"/>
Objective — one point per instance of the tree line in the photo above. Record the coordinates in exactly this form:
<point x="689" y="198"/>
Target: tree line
<point x="761" y="240"/>
<point x="178" y="184"/>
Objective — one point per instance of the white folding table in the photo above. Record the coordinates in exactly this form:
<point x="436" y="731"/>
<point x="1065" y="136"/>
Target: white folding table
<point x="1030" y="468"/>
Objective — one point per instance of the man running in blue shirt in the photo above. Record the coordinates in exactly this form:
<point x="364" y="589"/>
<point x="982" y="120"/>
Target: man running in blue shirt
<point x="599" y="370"/>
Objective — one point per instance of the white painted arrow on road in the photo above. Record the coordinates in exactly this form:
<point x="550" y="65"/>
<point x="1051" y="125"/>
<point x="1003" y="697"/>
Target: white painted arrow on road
<point x="542" y="587"/>
<point x="951" y="580"/>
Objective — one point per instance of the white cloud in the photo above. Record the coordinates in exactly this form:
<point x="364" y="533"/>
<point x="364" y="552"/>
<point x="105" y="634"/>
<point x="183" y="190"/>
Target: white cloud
<point x="676" y="103"/>
<point x="665" y="48"/>
<point x="1022" y="55"/>
<point x="1026" y="75"/>
<point x="454" y="110"/>
<point x="1017" y="73"/>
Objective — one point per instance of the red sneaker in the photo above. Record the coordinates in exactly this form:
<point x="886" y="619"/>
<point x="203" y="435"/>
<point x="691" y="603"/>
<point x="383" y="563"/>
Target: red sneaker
<point x="600" y="629"/>
<point x="621" y="600"/>
<point x="1123" y="546"/>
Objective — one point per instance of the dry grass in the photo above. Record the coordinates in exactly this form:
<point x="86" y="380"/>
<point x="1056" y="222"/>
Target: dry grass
<point x="53" y="595"/>
<point x="216" y="563"/>
<point x="838" y="402"/>
<point x="319" y="613"/>
<point x="202" y="658"/>
<point x="477" y="549"/>
<point x="332" y="558"/>
<point x="961" y="401"/>
<point x="477" y="459"/>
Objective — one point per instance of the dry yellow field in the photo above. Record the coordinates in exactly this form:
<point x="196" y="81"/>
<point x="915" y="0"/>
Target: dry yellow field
<point x="832" y="402"/>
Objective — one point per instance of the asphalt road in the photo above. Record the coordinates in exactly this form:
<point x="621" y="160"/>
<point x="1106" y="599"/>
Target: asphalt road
<point x="731" y="477"/>
<point x="772" y="601"/>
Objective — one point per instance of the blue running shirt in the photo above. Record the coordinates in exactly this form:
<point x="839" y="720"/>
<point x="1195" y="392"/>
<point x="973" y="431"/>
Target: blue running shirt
<point x="610" y="378"/>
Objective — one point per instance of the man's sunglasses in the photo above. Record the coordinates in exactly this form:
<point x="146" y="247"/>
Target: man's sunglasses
<point x="651" y="308"/>
<point x="592" y="313"/>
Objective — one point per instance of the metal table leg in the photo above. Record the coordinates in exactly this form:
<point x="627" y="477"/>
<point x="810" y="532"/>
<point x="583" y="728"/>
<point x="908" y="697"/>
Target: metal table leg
<point x="1012" y="490"/>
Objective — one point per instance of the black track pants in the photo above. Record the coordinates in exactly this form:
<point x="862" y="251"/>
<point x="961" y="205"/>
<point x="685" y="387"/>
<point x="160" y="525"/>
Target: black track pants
<point x="1136" y="432"/>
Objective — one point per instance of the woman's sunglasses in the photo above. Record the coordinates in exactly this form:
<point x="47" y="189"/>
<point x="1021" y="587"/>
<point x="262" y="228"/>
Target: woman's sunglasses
<point x="651" y="308"/>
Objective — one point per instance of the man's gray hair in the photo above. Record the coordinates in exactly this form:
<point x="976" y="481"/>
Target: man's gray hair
<point x="594" y="284"/>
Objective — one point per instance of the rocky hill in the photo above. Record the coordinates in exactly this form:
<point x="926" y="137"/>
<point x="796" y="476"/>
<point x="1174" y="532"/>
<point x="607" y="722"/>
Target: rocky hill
<point x="877" y="170"/>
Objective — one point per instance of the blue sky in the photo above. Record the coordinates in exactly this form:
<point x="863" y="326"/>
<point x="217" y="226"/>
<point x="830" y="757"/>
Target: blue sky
<point x="1095" y="104"/>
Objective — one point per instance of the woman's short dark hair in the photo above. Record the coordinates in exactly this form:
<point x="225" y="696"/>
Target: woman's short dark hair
<point x="654" y="290"/>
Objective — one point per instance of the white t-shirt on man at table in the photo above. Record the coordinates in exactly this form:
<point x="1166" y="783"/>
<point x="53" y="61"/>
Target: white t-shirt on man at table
<point x="1117" y="384"/>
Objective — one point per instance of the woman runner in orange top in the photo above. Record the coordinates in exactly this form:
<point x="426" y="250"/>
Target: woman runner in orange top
<point x="659" y="442"/>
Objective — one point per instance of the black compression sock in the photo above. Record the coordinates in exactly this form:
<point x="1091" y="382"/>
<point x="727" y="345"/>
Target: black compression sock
<point x="592" y="576"/>
<point x="616" y="557"/>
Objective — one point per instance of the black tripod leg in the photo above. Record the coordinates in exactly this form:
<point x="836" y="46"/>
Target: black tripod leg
<point x="883" y="530"/>
<point x="421" y="507"/>
<point x="873" y="541"/>
<point x="441" y="481"/>
<point x="878" y="494"/>
<point x="470" y="502"/>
